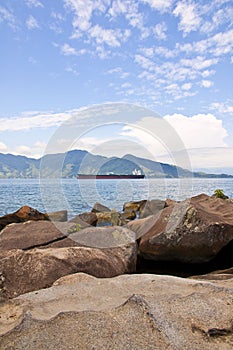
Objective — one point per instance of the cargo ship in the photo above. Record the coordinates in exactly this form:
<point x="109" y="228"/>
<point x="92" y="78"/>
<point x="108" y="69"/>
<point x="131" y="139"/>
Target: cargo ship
<point x="136" y="174"/>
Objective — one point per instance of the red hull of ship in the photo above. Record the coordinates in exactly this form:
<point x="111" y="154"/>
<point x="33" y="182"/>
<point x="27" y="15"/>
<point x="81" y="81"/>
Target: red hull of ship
<point x="109" y="177"/>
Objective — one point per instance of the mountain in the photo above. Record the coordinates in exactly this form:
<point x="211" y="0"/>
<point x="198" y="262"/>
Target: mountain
<point x="68" y="165"/>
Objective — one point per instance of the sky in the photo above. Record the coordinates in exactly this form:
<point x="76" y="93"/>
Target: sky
<point x="171" y="58"/>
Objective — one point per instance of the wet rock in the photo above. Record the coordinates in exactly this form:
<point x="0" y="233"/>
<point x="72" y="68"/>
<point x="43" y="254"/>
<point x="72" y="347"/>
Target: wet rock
<point x="137" y="312"/>
<point x="192" y="231"/>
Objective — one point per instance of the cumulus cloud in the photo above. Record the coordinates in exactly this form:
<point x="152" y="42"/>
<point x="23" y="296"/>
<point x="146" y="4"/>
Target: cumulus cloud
<point x="222" y="107"/>
<point x="188" y="14"/>
<point x="160" y="31"/>
<point x="198" y="131"/>
<point x="109" y="37"/>
<point x="160" y="5"/>
<point x="206" y="83"/>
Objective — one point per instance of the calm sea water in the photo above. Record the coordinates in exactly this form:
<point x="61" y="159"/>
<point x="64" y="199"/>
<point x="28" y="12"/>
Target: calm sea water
<point x="79" y="196"/>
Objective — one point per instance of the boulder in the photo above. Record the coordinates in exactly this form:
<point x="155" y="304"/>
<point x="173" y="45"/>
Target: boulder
<point x="85" y="219"/>
<point x="192" y="231"/>
<point x="104" y="237"/>
<point x="60" y="215"/>
<point x="35" y="234"/>
<point x="148" y="312"/>
<point x="132" y="208"/>
<point x="113" y="218"/>
<point x="24" y="271"/>
<point x="99" y="208"/>
<point x="151" y="207"/>
<point x="25" y="213"/>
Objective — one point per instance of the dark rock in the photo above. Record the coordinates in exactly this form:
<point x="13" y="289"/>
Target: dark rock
<point x="192" y="231"/>
<point x="25" y="213"/>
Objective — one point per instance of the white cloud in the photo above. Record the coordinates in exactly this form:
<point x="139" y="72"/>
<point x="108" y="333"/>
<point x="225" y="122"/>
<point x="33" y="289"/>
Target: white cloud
<point x="198" y="131"/>
<point x="72" y="70"/>
<point x="34" y="3"/>
<point x="109" y="37"/>
<point x="8" y="16"/>
<point x="206" y="83"/>
<point x="186" y="86"/>
<point x="118" y="70"/>
<point x="68" y="50"/>
<point x="189" y="17"/>
<point x="199" y="62"/>
<point x="32" y="120"/>
<point x="34" y="151"/>
<point x="32" y="23"/>
<point x="3" y="147"/>
<point x="222" y="107"/>
<point x="160" y="30"/>
<point x="216" y="158"/>
<point x="83" y="11"/>
<point x="160" y="5"/>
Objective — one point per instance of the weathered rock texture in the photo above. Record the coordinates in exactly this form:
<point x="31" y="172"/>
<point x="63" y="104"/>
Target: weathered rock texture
<point x="25" y="213"/>
<point x="25" y="271"/>
<point x="34" y="234"/>
<point x="136" y="312"/>
<point x="192" y="231"/>
<point x="85" y="219"/>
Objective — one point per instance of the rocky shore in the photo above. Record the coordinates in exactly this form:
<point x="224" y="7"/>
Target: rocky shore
<point x="158" y="275"/>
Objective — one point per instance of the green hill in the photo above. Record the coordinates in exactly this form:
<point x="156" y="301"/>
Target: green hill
<point x="68" y="165"/>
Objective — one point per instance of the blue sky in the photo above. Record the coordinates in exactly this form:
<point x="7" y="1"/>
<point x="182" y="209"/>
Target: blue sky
<point x="172" y="57"/>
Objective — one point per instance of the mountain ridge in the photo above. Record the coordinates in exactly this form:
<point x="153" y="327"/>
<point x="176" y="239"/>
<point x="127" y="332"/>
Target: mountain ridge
<point x="68" y="165"/>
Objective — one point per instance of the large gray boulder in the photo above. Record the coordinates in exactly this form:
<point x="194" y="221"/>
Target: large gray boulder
<point x="192" y="231"/>
<point x="135" y="312"/>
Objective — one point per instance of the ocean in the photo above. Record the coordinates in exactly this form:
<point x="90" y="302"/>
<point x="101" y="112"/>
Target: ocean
<point x="77" y="196"/>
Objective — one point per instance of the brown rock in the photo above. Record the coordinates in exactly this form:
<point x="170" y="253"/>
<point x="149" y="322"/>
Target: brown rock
<point x="25" y="271"/>
<point x="113" y="218"/>
<point x="192" y="231"/>
<point x="151" y="207"/>
<point x="169" y="202"/>
<point x="135" y="312"/>
<point x="104" y="237"/>
<point x="23" y="214"/>
<point x="60" y="215"/>
<point x="35" y="234"/>
<point x="85" y="218"/>
<point x="99" y="208"/>
<point x="131" y="209"/>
